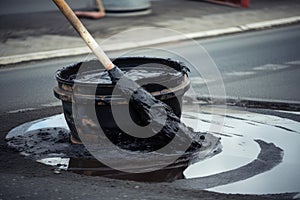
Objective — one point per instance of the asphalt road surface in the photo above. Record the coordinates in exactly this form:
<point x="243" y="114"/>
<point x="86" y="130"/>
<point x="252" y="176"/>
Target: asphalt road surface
<point x="262" y="65"/>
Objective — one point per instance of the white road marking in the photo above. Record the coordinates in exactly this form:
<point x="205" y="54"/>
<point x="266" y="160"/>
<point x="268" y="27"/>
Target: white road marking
<point x="245" y="73"/>
<point x="21" y="110"/>
<point x="271" y="67"/>
<point x="199" y="80"/>
<point x="296" y="62"/>
<point x="289" y="112"/>
<point x="61" y="163"/>
<point x="52" y="104"/>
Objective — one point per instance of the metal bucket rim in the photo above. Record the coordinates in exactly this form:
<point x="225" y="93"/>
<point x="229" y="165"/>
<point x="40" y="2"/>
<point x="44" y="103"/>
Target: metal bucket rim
<point x="177" y="65"/>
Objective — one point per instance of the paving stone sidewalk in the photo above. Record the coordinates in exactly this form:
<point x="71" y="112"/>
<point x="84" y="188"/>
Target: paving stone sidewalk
<point x="39" y="32"/>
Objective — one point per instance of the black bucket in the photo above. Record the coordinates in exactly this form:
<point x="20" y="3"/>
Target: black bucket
<point x="169" y="89"/>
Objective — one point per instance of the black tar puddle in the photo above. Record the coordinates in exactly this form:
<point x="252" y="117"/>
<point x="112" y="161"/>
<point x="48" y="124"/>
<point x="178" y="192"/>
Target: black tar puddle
<point x="51" y="145"/>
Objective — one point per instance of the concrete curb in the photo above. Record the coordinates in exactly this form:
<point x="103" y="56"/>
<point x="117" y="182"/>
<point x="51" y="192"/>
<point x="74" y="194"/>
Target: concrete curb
<point x="113" y="47"/>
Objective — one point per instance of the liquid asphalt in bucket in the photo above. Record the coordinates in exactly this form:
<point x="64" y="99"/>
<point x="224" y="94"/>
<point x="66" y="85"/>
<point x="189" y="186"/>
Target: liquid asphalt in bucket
<point x="134" y="74"/>
<point x="259" y="152"/>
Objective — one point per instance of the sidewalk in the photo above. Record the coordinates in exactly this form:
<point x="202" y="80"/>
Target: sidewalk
<point x="35" y="36"/>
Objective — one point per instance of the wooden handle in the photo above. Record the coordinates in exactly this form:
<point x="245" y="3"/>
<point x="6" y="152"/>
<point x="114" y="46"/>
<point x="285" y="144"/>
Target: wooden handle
<point x="85" y="35"/>
<point x="100" y="6"/>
